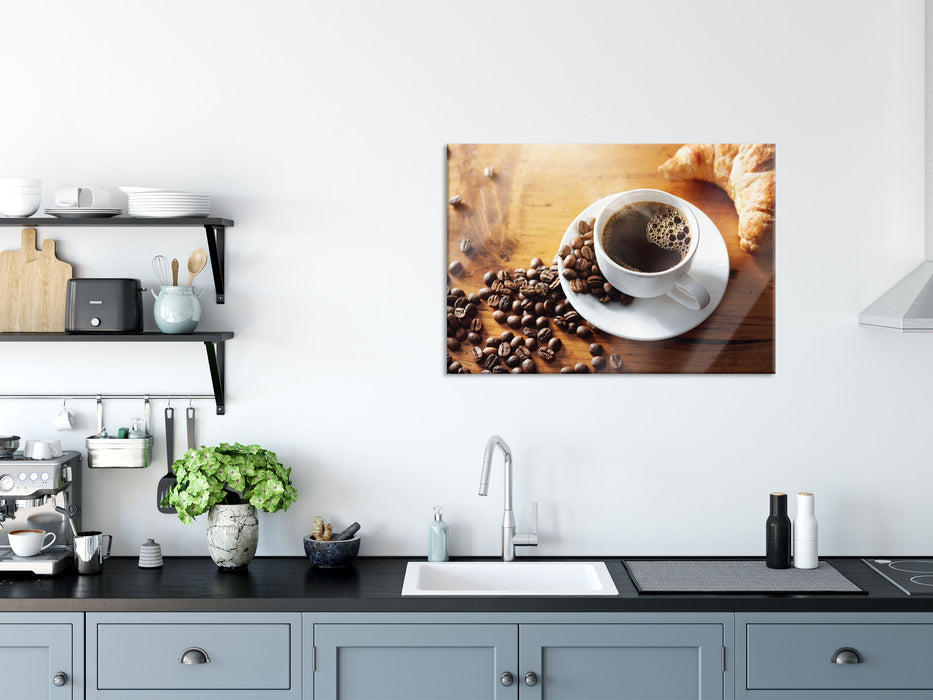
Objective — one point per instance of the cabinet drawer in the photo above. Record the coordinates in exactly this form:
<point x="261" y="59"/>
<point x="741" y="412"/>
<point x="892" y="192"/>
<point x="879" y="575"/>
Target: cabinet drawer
<point x="146" y="656"/>
<point x="800" y="656"/>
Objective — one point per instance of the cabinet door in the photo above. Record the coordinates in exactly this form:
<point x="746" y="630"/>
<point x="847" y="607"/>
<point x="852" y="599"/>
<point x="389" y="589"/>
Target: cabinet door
<point x="414" y="662"/>
<point x="32" y="655"/>
<point x="643" y="661"/>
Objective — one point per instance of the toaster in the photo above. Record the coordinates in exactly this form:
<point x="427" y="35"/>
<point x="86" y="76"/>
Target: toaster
<point x="104" y="305"/>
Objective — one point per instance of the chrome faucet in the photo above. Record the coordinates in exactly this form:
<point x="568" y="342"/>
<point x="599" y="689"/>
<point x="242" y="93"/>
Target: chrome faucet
<point x="510" y="539"/>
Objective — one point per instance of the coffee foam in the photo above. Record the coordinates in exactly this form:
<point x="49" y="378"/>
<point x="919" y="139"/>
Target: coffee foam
<point x="668" y="229"/>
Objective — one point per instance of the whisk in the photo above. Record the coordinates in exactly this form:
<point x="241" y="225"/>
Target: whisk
<point x="160" y="267"/>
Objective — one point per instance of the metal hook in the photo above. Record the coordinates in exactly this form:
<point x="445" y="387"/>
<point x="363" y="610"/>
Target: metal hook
<point x="189" y="400"/>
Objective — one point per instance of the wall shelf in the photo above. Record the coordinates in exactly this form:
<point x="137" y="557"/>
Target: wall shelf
<point x="214" y="228"/>
<point x="213" y="346"/>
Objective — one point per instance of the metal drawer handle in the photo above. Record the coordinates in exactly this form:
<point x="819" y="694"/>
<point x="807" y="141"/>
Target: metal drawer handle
<point x="506" y="679"/>
<point x="194" y="655"/>
<point x="531" y="679"/>
<point x="59" y="679"/>
<point x="847" y="655"/>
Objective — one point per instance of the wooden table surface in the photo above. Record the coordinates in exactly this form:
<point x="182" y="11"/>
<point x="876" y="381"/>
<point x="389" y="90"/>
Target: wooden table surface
<point x="536" y="192"/>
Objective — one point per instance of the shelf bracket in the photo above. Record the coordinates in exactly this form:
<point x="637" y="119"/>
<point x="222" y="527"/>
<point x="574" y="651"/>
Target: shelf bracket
<point x="215" y="248"/>
<point x="215" y="360"/>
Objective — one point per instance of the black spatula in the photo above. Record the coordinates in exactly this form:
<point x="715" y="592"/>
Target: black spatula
<point x="168" y="481"/>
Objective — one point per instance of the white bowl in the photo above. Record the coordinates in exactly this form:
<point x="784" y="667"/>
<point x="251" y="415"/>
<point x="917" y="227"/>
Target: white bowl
<point x="20" y="182"/>
<point x="19" y="204"/>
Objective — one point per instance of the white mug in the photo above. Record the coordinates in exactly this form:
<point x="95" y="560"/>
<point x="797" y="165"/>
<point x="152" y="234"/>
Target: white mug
<point x="86" y="197"/>
<point x="28" y="543"/>
<point x="65" y="420"/>
<point x="674" y="281"/>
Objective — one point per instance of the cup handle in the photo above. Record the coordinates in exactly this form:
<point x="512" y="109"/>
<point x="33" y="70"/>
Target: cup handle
<point x="46" y="545"/>
<point x="109" y="545"/>
<point x="690" y="293"/>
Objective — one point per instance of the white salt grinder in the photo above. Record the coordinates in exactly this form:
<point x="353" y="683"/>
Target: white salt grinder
<point x="805" y="533"/>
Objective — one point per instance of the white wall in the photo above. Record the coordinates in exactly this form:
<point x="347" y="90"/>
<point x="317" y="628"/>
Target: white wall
<point x="319" y="127"/>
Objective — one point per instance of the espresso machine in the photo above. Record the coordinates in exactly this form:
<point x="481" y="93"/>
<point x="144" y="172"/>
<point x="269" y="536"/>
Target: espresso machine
<point x="40" y="494"/>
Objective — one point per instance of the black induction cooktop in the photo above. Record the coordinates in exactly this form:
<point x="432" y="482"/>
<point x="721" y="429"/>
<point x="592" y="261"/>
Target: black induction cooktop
<point x="913" y="576"/>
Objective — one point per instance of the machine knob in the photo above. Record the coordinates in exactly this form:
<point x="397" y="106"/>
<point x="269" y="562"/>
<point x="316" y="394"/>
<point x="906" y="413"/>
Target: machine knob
<point x="531" y="679"/>
<point x="194" y="655"/>
<point x="847" y="655"/>
<point x="59" y="679"/>
<point x="7" y="482"/>
<point x="95" y="321"/>
<point x="506" y="679"/>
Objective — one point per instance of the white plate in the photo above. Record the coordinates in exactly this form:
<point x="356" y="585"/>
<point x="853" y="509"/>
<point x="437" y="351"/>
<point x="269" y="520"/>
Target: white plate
<point x="78" y="213"/>
<point x="168" y="214"/>
<point x="134" y="190"/>
<point x="158" y="194"/>
<point x="660" y="317"/>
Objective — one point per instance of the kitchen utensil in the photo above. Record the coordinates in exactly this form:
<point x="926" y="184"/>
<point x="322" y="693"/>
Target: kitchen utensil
<point x="169" y="480"/>
<point x="104" y="305"/>
<point x="28" y="543"/>
<point x="33" y="287"/>
<point x="348" y="532"/>
<point x="161" y="269"/>
<point x="189" y="416"/>
<point x="116" y="453"/>
<point x="65" y="419"/>
<point x="174" y="272"/>
<point x="8" y="445"/>
<point x="19" y="196"/>
<point x="332" y="554"/>
<point x="89" y="551"/>
<point x="83" y="197"/>
<point x="195" y="264"/>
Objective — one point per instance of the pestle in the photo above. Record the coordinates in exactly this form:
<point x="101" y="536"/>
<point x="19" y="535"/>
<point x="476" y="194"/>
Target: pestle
<point x="348" y="532"/>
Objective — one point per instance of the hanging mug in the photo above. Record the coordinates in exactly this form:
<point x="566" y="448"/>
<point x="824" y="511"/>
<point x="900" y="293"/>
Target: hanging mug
<point x="177" y="309"/>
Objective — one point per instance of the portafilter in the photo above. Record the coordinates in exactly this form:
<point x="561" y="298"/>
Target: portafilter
<point x="8" y="445"/>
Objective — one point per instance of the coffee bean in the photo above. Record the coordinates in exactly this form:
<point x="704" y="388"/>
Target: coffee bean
<point x="506" y="336"/>
<point x="466" y="246"/>
<point x="498" y="316"/>
<point x="544" y="335"/>
<point x="476" y="324"/>
<point x="564" y="251"/>
<point x="453" y="321"/>
<point x="584" y="332"/>
<point x="517" y="306"/>
<point x="615" y="361"/>
<point x="570" y="261"/>
<point x="504" y="350"/>
<point x="484" y="293"/>
<point x="555" y="344"/>
<point x="539" y="308"/>
<point x="572" y="315"/>
<point x="581" y="368"/>
<point x="577" y="242"/>
<point x="505" y="304"/>
<point x="541" y="322"/>
<point x="474" y="338"/>
<point x="588" y="253"/>
<point x="522" y="352"/>
<point x="514" y="321"/>
<point x="579" y="286"/>
<point x="499" y="369"/>
<point x="528" y="366"/>
<point x="528" y="320"/>
<point x="531" y="343"/>
<point x="546" y="354"/>
<point x="453" y="367"/>
<point x="513" y="361"/>
<point x="456" y="292"/>
<point x="453" y="344"/>
<point x="560" y="321"/>
<point x="598" y="362"/>
<point x="529" y="331"/>
<point x="477" y="354"/>
<point x="596" y="349"/>
<point x="491" y="362"/>
<point x="517" y="342"/>
<point x="582" y="227"/>
<point x="455" y="268"/>
<point x="492" y="342"/>
<point x="566" y="370"/>
<point x="493" y="300"/>
<point x="489" y="278"/>
<point x="626" y="299"/>
<point x="536" y="262"/>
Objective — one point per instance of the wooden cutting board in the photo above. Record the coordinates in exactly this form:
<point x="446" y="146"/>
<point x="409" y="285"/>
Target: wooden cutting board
<point x="33" y="286"/>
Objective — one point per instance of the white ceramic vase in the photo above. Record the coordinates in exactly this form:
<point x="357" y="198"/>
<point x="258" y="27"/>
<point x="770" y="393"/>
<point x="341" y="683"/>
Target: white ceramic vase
<point x="232" y="535"/>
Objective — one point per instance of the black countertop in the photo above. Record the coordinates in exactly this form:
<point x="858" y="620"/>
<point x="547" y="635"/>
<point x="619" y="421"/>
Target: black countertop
<point x="290" y="584"/>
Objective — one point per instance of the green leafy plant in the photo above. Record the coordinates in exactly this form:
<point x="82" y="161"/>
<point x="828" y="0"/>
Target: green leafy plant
<point x="230" y="474"/>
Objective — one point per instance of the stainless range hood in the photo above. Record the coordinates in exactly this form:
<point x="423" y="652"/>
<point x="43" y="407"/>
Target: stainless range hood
<point x="908" y="305"/>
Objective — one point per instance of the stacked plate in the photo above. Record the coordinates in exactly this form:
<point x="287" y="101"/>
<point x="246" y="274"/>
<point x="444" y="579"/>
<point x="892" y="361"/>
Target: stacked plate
<point x="150" y="203"/>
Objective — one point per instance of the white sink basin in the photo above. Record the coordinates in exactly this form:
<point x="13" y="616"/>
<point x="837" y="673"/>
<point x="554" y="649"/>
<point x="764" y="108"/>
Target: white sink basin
<point x="496" y="578"/>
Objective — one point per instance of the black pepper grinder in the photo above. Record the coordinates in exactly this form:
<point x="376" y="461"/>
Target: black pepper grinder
<point x="777" y="549"/>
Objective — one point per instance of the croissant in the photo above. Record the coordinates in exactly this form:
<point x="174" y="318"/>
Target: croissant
<point x="746" y="172"/>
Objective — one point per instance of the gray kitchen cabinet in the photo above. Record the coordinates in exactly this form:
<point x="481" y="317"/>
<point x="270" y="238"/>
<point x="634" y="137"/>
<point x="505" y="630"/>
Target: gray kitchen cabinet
<point x="835" y="656"/>
<point x="638" y="661"/>
<point x="42" y="655"/>
<point x="208" y="656"/>
<point x="515" y="656"/>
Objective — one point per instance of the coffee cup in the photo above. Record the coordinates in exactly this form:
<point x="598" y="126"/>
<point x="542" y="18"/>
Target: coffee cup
<point x="65" y="419"/>
<point x="89" y="551"/>
<point x="85" y="197"/>
<point x="645" y="241"/>
<point x="28" y="543"/>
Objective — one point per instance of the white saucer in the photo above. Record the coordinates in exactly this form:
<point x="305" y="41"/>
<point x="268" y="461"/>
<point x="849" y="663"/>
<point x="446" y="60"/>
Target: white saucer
<point x="82" y="212"/>
<point x="660" y="317"/>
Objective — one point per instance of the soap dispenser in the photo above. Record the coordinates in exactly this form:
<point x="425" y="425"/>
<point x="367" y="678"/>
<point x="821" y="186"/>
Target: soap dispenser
<point x="437" y="537"/>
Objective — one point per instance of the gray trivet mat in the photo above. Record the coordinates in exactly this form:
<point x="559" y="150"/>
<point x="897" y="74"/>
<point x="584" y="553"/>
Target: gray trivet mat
<point x="746" y="576"/>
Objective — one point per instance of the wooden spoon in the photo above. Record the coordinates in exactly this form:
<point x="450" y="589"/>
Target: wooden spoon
<point x="195" y="264"/>
<point x="174" y="272"/>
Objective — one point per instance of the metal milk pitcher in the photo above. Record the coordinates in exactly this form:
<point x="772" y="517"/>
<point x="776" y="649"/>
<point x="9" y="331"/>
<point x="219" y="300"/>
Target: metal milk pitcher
<point x="177" y="309"/>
